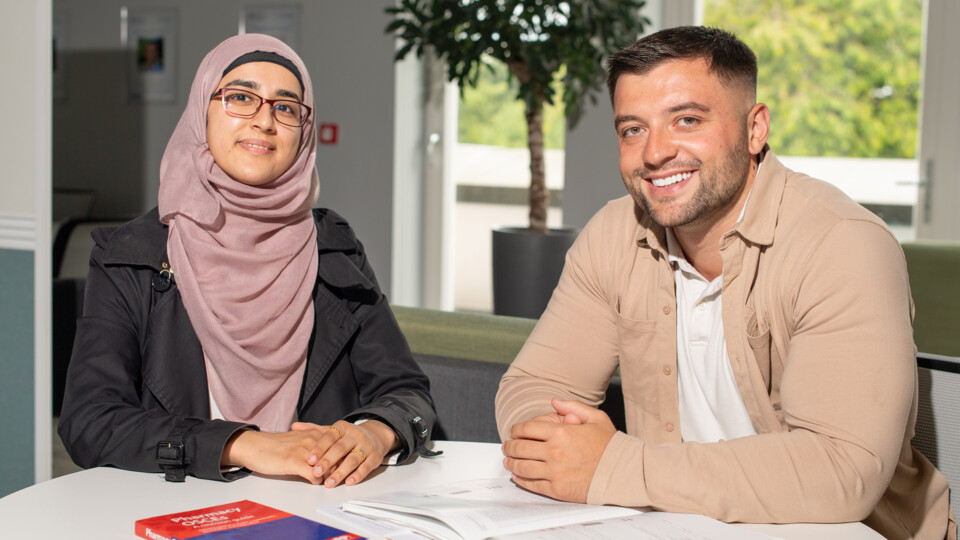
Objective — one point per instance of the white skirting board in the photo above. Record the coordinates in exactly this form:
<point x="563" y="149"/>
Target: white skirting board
<point x="18" y="232"/>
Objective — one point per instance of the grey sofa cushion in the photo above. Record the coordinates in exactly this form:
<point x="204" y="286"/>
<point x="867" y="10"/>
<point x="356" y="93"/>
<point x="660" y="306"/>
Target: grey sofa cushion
<point x="464" y="392"/>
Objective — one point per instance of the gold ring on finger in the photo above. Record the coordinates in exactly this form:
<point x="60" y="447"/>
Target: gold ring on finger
<point x="339" y="433"/>
<point x="363" y="455"/>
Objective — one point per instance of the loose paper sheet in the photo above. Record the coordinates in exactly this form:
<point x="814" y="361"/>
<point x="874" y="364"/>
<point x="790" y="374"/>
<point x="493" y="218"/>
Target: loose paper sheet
<point x="497" y="508"/>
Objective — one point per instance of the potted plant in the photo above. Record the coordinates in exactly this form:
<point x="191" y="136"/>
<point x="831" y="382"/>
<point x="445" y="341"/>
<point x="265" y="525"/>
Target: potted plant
<point x="535" y="39"/>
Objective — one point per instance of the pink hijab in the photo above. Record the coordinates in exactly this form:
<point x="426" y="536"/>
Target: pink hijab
<point x="244" y="258"/>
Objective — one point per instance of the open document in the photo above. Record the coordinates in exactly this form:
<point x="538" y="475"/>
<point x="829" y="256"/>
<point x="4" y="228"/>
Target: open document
<point x="496" y="507"/>
<point x="645" y="526"/>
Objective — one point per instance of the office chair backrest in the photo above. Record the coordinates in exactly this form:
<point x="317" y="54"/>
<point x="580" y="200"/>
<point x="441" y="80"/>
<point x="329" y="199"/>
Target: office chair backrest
<point x="938" y="418"/>
<point x="73" y="243"/>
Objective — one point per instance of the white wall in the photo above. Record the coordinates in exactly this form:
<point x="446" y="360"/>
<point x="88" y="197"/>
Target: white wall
<point x="103" y="140"/>
<point x="18" y="140"/>
<point x="24" y="245"/>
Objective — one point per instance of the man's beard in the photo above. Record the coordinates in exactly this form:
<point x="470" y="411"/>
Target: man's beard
<point x="719" y="187"/>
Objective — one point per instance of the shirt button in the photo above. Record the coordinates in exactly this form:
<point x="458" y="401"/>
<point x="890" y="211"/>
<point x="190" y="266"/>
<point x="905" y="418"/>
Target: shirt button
<point x="666" y="370"/>
<point x="668" y="427"/>
<point x="666" y="310"/>
<point x="701" y="306"/>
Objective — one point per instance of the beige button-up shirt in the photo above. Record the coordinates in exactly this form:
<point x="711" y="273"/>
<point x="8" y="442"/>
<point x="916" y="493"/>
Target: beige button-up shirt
<point x="817" y="318"/>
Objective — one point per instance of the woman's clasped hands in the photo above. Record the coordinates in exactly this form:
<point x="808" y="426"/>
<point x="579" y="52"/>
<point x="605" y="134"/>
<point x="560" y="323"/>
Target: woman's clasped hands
<point x="342" y="452"/>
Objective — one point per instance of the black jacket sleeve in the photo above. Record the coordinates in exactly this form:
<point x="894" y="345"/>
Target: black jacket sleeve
<point x="112" y="413"/>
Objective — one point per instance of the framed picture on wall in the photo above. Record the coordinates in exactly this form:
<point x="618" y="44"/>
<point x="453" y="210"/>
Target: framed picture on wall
<point x="149" y="37"/>
<point x="279" y="21"/>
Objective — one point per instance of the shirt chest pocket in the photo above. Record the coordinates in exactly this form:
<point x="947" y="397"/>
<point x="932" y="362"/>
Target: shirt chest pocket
<point x="638" y="363"/>
<point x="758" y="337"/>
<point x="768" y="358"/>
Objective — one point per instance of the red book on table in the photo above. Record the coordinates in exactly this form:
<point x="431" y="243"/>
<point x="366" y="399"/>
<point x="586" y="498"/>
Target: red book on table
<point x="241" y="520"/>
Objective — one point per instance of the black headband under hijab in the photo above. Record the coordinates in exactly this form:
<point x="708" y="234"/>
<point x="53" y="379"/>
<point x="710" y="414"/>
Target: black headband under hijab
<point x="263" y="56"/>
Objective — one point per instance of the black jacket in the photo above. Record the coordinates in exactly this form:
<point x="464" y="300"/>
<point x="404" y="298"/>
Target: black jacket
<point x="137" y="376"/>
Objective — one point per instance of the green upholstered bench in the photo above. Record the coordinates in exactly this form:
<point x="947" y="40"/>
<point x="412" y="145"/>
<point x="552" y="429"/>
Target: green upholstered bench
<point x="471" y="336"/>
<point x="934" y="269"/>
<point x="465" y="355"/>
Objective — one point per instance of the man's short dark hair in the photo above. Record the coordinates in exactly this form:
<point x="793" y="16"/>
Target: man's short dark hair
<point x="728" y="57"/>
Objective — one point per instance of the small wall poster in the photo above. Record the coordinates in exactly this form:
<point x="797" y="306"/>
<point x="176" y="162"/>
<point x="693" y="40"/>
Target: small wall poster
<point x="281" y="22"/>
<point x="150" y="39"/>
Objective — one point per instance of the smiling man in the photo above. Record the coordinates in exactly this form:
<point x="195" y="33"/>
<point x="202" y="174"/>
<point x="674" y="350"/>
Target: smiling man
<point x="760" y="319"/>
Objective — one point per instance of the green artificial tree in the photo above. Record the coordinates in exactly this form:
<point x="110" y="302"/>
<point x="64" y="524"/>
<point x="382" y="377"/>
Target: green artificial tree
<point x="534" y="38"/>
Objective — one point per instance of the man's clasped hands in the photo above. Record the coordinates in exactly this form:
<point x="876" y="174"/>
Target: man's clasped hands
<point x="556" y="454"/>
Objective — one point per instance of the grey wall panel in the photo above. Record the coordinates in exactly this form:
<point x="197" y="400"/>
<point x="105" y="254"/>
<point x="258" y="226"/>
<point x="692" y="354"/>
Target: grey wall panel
<point x="16" y="364"/>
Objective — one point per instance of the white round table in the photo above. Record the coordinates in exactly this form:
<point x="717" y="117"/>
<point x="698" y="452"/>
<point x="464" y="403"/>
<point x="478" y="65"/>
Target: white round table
<point x="104" y="503"/>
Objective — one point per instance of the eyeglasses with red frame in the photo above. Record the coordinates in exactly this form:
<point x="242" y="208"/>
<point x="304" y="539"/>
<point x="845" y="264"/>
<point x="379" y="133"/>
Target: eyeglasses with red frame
<point x="243" y="103"/>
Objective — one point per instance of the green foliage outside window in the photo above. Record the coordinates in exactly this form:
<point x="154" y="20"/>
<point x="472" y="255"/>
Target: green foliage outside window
<point x="535" y="39"/>
<point x="841" y="77"/>
<point x="490" y="113"/>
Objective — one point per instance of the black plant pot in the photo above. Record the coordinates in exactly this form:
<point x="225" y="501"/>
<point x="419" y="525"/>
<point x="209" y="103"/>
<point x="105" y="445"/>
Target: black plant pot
<point x="526" y="268"/>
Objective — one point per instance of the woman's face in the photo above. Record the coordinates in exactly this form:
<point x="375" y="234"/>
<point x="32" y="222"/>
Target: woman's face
<point x="255" y="150"/>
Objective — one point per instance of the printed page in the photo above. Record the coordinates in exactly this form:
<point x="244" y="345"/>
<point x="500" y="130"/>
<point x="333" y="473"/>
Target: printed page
<point x="427" y="526"/>
<point x="378" y="528"/>
<point x="483" y="508"/>
<point x="647" y="526"/>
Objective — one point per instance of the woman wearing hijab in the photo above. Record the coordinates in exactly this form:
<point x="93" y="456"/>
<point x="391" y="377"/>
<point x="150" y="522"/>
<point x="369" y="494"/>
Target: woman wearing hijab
<point x="235" y="328"/>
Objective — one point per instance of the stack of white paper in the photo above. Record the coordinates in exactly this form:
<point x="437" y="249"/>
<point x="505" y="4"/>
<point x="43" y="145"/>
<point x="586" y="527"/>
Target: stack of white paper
<point x="497" y="508"/>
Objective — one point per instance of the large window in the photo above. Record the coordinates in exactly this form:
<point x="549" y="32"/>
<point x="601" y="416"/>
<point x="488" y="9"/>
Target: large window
<point x="842" y="80"/>
<point x="491" y="169"/>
